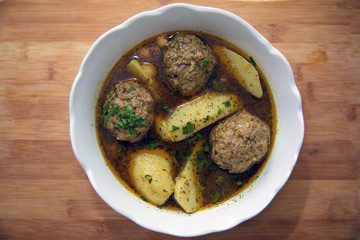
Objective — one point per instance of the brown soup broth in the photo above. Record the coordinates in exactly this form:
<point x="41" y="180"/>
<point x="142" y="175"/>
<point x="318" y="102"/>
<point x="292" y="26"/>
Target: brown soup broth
<point x="215" y="184"/>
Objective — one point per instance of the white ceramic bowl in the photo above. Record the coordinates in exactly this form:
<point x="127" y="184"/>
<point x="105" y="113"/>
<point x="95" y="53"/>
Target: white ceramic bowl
<point x="109" y="48"/>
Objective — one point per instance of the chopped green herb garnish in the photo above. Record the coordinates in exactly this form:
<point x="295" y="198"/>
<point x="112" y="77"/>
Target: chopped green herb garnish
<point x="199" y="153"/>
<point x="207" y="148"/>
<point x="190" y="159"/>
<point x="148" y="177"/>
<point x="182" y="153"/>
<point x="199" y="136"/>
<point x="104" y="112"/>
<point x="239" y="183"/>
<point x="204" y="63"/>
<point x="131" y="131"/>
<point x="207" y="118"/>
<point x="252" y="62"/>
<point x="215" y="197"/>
<point x="219" y="181"/>
<point x="190" y="127"/>
<point x="175" y="128"/>
<point x="128" y="98"/>
<point x="201" y="158"/>
<point x="166" y="108"/>
<point x="132" y="88"/>
<point x="152" y="145"/>
<point x="113" y="110"/>
<point x="148" y="142"/>
<point x="185" y="130"/>
<point x="127" y="119"/>
<point x="176" y="161"/>
<point x="227" y="104"/>
<point x="216" y="87"/>
<point x="206" y="145"/>
<point x="219" y="111"/>
<point x="122" y="125"/>
<point x="192" y="140"/>
<point x="202" y="163"/>
<point x="200" y="187"/>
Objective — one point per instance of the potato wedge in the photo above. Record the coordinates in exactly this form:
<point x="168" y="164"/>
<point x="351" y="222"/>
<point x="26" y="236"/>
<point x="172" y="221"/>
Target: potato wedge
<point x="242" y="70"/>
<point x="186" y="192"/>
<point x="193" y="116"/>
<point x="143" y="71"/>
<point x="151" y="173"/>
<point x="146" y="73"/>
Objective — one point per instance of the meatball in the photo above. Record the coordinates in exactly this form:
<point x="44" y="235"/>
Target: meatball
<point x="188" y="63"/>
<point x="239" y="141"/>
<point x="128" y="111"/>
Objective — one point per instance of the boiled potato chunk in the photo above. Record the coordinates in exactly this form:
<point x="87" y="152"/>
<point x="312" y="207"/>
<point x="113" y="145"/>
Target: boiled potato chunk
<point x="243" y="71"/>
<point x="186" y="192"/>
<point x="146" y="73"/>
<point x="193" y="116"/>
<point x="151" y="172"/>
<point x="142" y="71"/>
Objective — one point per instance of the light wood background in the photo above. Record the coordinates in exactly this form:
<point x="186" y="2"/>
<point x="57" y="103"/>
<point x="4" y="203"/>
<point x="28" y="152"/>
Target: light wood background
<point x="44" y="192"/>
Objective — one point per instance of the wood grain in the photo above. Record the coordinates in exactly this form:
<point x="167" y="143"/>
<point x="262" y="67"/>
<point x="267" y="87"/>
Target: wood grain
<point x="45" y="194"/>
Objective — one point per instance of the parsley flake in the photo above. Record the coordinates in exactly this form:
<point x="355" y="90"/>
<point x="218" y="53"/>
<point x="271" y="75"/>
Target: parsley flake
<point x="207" y="148"/>
<point x="201" y="159"/>
<point x="215" y="197"/>
<point x="152" y="145"/>
<point x="252" y="62"/>
<point x="166" y="108"/>
<point x="216" y="87"/>
<point x="219" y="181"/>
<point x="206" y="145"/>
<point x="126" y="118"/>
<point x="204" y="63"/>
<point x="104" y="113"/>
<point x="185" y="130"/>
<point x="188" y="129"/>
<point x="132" y="88"/>
<point x="148" y="177"/>
<point x="227" y="104"/>
<point x="174" y="128"/>
<point x="176" y="161"/>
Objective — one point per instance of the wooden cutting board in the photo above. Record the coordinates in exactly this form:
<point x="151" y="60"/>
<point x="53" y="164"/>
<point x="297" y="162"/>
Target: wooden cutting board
<point x="44" y="192"/>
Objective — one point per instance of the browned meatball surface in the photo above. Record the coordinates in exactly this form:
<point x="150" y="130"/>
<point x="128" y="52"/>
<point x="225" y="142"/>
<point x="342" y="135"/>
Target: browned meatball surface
<point x="239" y="141"/>
<point x="188" y="63"/>
<point x="128" y="111"/>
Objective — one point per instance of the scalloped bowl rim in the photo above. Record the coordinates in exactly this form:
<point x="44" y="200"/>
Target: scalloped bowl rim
<point x="99" y="61"/>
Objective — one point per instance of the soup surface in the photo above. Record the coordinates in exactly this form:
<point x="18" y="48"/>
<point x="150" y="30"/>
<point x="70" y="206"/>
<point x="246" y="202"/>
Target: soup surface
<point x="215" y="184"/>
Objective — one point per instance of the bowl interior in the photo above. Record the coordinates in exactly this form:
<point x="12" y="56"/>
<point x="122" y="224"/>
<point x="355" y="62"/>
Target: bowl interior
<point x="109" y="48"/>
